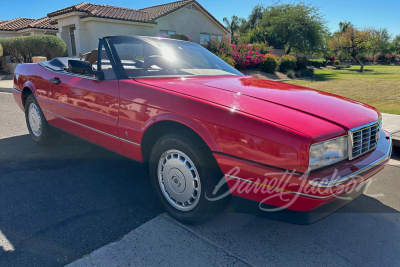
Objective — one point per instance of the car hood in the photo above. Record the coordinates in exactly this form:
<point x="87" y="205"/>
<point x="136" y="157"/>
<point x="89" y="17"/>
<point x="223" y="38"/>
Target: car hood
<point x="246" y="93"/>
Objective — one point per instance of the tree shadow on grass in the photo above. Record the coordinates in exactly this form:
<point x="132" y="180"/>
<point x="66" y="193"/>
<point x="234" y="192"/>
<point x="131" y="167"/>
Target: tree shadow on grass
<point x="321" y="77"/>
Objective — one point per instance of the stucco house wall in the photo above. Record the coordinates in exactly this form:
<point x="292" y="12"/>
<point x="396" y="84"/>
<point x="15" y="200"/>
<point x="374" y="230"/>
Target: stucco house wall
<point x="191" y="22"/>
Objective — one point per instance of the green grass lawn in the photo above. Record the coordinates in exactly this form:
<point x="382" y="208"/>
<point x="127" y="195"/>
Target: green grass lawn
<point x="378" y="86"/>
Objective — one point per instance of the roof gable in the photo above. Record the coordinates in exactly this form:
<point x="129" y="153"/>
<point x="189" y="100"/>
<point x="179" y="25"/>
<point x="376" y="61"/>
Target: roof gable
<point x="147" y="15"/>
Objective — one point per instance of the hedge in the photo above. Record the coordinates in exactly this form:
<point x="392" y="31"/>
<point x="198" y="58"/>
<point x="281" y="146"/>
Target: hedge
<point x="287" y="63"/>
<point x="318" y="63"/>
<point x="301" y="63"/>
<point x="1" y="51"/>
<point x="22" y="49"/>
<point x="269" y="64"/>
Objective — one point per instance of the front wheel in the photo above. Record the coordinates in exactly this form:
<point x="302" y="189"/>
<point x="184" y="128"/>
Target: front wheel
<point x="40" y="130"/>
<point x="183" y="173"/>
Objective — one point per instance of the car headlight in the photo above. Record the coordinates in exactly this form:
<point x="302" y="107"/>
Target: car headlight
<point x="328" y="152"/>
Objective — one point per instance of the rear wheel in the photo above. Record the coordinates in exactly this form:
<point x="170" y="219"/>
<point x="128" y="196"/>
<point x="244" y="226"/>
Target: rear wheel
<point x="40" y="130"/>
<point x="183" y="173"/>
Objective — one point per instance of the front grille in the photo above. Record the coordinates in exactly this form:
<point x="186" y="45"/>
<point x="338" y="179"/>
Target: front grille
<point x="364" y="139"/>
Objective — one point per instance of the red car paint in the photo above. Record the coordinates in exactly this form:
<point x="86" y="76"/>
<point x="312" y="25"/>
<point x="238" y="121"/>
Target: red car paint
<point x="261" y="126"/>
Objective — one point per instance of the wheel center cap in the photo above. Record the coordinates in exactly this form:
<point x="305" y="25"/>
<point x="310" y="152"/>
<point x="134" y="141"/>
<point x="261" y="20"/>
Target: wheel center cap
<point x="176" y="180"/>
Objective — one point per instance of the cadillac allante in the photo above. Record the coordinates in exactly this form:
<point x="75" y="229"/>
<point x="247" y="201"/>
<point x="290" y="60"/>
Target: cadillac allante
<point x="207" y="134"/>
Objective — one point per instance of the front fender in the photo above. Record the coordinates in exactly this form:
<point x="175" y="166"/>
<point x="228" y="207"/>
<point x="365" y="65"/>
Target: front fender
<point x="196" y="125"/>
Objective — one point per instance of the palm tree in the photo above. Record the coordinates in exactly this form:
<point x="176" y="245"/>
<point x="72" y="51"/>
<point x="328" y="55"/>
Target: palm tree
<point x="232" y="24"/>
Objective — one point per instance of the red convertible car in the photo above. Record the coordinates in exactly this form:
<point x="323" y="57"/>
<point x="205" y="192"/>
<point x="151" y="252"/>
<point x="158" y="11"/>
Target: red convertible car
<point x="206" y="133"/>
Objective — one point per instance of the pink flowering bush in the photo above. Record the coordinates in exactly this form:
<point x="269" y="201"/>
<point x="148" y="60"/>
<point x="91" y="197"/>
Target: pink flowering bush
<point x="245" y="56"/>
<point x="383" y="57"/>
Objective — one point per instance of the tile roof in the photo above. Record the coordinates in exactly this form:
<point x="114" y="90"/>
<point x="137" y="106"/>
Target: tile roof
<point x="24" y="23"/>
<point x="165" y="9"/>
<point x="147" y="15"/>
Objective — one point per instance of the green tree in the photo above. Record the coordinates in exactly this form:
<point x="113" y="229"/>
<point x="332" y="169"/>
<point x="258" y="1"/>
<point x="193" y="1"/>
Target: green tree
<point x="255" y="16"/>
<point x="344" y="25"/>
<point x="295" y="26"/>
<point x="380" y="41"/>
<point x="232" y="24"/>
<point x="353" y="41"/>
<point x="395" y="45"/>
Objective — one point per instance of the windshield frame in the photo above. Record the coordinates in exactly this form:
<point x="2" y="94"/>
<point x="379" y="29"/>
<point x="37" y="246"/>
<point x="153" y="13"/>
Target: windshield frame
<point x="120" y="70"/>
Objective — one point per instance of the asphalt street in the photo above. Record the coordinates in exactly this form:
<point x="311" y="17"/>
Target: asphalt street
<point x="58" y="204"/>
<point x="62" y="202"/>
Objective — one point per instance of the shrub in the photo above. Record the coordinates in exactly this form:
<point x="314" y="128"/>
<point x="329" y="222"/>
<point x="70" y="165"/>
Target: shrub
<point x="318" y="63"/>
<point x="336" y="62"/>
<point x="382" y="57"/>
<point x="333" y="58"/>
<point x="226" y="58"/>
<point x="1" y="51"/>
<point x="22" y="49"/>
<point x="269" y="64"/>
<point x="338" y="67"/>
<point x="245" y="56"/>
<point x="309" y="72"/>
<point x="301" y="63"/>
<point x="290" y="74"/>
<point x="181" y="37"/>
<point x="393" y="57"/>
<point x="262" y="47"/>
<point x="297" y="74"/>
<point x="287" y="63"/>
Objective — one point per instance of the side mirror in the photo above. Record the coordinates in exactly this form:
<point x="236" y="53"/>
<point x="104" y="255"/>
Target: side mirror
<point x="98" y="73"/>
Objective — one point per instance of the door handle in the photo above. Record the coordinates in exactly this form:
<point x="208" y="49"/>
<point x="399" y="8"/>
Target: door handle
<point x="55" y="80"/>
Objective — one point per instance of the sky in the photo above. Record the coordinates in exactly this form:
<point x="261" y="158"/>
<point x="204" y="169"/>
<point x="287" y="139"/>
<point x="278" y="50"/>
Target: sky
<point x="362" y="13"/>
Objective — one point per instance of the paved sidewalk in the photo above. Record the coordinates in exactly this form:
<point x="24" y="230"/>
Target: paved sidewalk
<point x="391" y="123"/>
<point x="6" y="85"/>
<point x="161" y="242"/>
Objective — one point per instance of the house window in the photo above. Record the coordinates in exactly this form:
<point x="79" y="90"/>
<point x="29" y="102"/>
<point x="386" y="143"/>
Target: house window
<point x="72" y="39"/>
<point x="165" y="33"/>
<point x="204" y="38"/>
<point x="217" y="37"/>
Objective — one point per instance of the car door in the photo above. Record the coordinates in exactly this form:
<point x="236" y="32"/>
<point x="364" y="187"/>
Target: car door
<point x="87" y="106"/>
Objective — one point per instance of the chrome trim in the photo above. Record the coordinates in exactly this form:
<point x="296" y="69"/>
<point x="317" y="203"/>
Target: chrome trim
<point x="360" y="128"/>
<point x="68" y="73"/>
<point x="130" y="142"/>
<point x="17" y="90"/>
<point x="343" y="179"/>
<point x="238" y="178"/>
<point x="90" y="128"/>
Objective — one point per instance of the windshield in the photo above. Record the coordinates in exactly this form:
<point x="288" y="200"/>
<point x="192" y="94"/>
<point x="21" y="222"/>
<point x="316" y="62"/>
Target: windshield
<point x="159" y="57"/>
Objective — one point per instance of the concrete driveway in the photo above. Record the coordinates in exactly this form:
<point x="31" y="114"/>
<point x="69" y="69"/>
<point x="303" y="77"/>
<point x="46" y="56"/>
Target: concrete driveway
<point x="80" y="204"/>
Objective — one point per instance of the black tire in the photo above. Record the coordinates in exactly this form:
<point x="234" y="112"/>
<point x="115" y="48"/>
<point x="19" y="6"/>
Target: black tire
<point x="48" y="135"/>
<point x="209" y="176"/>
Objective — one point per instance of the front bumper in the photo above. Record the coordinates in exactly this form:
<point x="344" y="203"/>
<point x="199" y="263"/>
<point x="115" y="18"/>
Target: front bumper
<point x="275" y="190"/>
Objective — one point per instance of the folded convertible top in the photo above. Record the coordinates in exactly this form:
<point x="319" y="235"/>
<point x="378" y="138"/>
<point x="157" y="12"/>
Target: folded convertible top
<point x="56" y="64"/>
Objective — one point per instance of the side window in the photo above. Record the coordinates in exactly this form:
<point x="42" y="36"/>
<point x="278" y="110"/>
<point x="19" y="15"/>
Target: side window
<point x="204" y="38"/>
<point x="105" y="65"/>
<point x="165" y="33"/>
